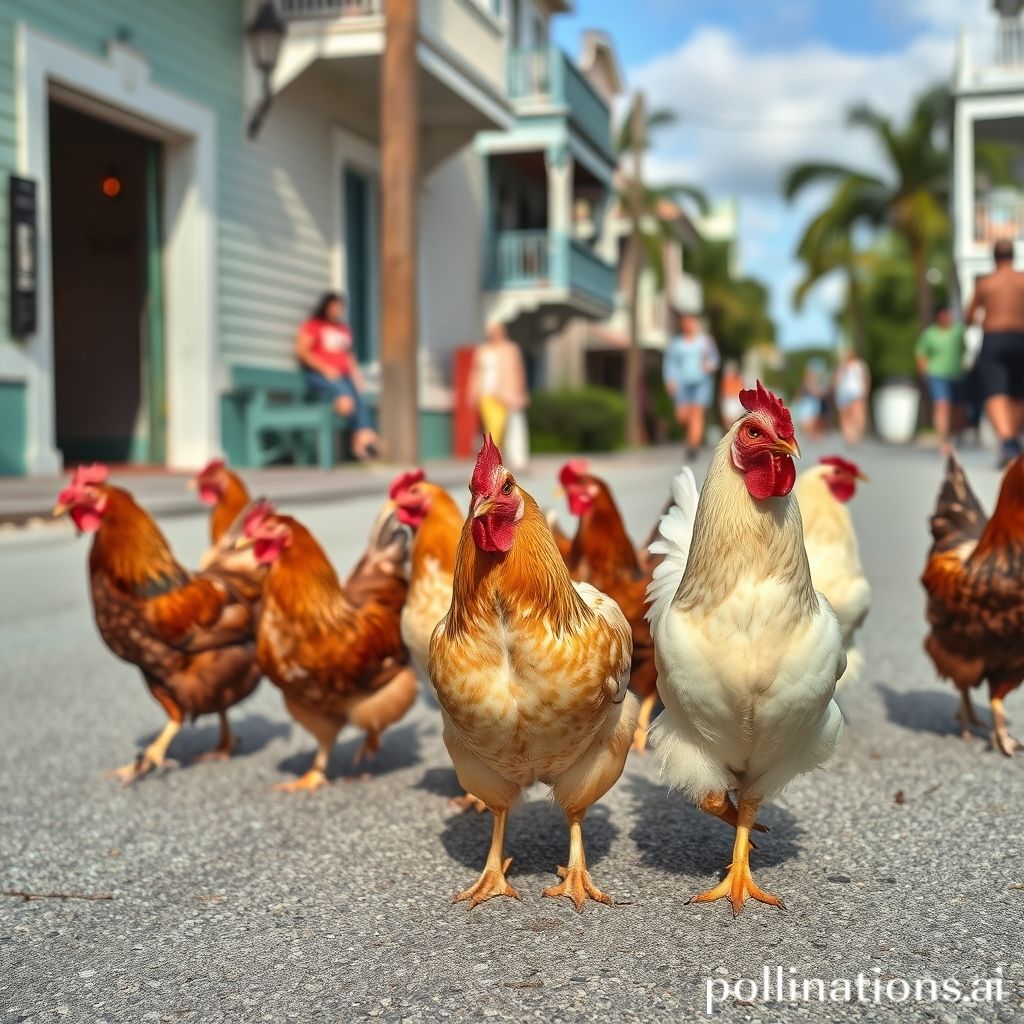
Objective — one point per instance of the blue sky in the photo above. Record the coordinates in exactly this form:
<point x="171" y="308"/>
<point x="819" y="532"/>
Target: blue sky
<point x="775" y="77"/>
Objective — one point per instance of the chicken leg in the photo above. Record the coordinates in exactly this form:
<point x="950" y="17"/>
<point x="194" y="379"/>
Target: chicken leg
<point x="719" y="805"/>
<point x="225" y="745"/>
<point x="738" y="883"/>
<point x="968" y="716"/>
<point x="325" y="732"/>
<point x="1001" y="738"/>
<point x="153" y="757"/>
<point x="576" y="881"/>
<point x="643" y="722"/>
<point x="492" y="881"/>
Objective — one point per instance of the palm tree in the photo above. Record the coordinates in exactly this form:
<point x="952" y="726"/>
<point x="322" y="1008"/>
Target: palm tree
<point x="649" y="230"/>
<point x="909" y="197"/>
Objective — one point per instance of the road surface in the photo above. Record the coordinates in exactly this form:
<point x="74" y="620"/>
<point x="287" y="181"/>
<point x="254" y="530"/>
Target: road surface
<point x="229" y="901"/>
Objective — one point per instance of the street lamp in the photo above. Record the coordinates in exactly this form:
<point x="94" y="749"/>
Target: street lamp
<point x="264" y="34"/>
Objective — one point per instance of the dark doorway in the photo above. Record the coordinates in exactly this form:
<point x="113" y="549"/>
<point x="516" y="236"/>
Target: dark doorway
<point x="361" y="283"/>
<point x="108" y="320"/>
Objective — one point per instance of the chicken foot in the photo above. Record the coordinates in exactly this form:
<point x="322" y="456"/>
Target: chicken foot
<point x="738" y="883"/>
<point x="577" y="884"/>
<point x="968" y="716"/>
<point x="225" y="745"/>
<point x="492" y="881"/>
<point x="325" y="732"/>
<point x="153" y="757"/>
<point x="643" y="722"/>
<point x="1001" y="738"/>
<point x="722" y="807"/>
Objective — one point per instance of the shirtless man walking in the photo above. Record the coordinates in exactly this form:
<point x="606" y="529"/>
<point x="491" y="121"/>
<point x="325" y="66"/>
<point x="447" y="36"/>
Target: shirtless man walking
<point x="999" y="298"/>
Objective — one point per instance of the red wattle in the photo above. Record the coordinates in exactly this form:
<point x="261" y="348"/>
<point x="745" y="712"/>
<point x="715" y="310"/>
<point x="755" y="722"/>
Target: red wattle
<point x="842" y="488"/>
<point x="491" y="534"/>
<point x="770" y="477"/>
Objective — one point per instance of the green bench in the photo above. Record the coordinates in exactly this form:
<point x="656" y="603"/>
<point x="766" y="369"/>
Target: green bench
<point x="269" y="416"/>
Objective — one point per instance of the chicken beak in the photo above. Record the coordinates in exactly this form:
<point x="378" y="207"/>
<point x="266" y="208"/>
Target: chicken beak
<point x="559" y="491"/>
<point x="790" y="447"/>
<point x="862" y="476"/>
<point x="59" y="509"/>
<point x="244" y="543"/>
<point x="486" y="507"/>
<point x="192" y="484"/>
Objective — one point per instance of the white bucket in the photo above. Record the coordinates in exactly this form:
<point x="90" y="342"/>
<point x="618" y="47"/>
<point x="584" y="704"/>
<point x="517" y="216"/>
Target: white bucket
<point x="896" y="407"/>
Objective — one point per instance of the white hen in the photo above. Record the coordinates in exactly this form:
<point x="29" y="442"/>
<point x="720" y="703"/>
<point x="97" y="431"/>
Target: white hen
<point x="832" y="549"/>
<point x="748" y="652"/>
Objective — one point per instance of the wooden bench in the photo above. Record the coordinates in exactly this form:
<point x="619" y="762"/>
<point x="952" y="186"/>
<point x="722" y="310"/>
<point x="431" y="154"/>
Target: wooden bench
<point x="270" y="416"/>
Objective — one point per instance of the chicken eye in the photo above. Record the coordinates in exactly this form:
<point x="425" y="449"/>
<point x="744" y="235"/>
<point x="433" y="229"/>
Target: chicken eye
<point x="506" y="487"/>
<point x="753" y="432"/>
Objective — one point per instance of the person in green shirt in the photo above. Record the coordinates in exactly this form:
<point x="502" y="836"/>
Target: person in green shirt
<point x="940" y="358"/>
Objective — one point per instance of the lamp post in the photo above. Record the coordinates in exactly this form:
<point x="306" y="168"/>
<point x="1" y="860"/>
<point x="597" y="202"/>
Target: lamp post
<point x="264" y="34"/>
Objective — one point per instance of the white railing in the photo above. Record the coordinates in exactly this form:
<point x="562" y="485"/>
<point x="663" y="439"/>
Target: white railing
<point x="998" y="218"/>
<point x="295" y="9"/>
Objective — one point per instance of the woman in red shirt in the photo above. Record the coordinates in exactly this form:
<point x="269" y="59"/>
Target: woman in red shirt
<point x="324" y="348"/>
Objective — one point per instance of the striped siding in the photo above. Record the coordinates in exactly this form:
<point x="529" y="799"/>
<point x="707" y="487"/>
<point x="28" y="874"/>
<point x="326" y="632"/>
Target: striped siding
<point x="274" y="197"/>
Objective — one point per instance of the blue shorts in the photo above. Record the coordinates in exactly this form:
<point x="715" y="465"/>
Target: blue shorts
<point x="694" y="392"/>
<point x="340" y="388"/>
<point x="944" y="390"/>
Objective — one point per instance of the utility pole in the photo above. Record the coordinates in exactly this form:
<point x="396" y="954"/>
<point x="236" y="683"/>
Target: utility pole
<point x="634" y="354"/>
<point x="400" y="138"/>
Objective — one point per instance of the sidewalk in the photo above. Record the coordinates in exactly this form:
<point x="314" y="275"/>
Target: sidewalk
<point x="27" y="501"/>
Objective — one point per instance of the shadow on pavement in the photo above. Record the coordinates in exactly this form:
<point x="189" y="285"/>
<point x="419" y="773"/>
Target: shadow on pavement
<point x="537" y="837"/>
<point x="252" y="733"/>
<point x="441" y="782"/>
<point x="399" y="748"/>
<point x="931" y="711"/>
<point x="672" y="835"/>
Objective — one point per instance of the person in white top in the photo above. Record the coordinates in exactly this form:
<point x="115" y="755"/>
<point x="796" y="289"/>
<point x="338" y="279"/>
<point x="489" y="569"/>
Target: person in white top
<point x="498" y="389"/>
<point x="852" y="385"/>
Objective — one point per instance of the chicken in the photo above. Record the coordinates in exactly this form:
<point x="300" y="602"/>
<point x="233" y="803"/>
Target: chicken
<point x="335" y="661"/>
<point x="602" y="554"/>
<point x="191" y="635"/>
<point x="223" y="490"/>
<point x="975" y="596"/>
<point x="748" y="652"/>
<point x="531" y="671"/>
<point x="832" y="550"/>
<point x="381" y="574"/>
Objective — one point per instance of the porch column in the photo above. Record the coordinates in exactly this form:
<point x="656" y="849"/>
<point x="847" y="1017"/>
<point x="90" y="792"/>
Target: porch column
<point x="400" y="128"/>
<point x="559" y="165"/>
<point x="963" y="195"/>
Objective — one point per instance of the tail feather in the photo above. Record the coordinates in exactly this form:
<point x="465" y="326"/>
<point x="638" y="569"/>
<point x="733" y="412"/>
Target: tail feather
<point x="675" y="534"/>
<point x="226" y="544"/>
<point x="380" y="575"/>
<point x="958" y="515"/>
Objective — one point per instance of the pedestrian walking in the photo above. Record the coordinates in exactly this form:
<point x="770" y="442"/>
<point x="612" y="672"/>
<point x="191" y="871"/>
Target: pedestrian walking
<point x="324" y="349"/>
<point x="499" y="390"/>
<point x="940" y="360"/>
<point x="810" y="401"/>
<point x="691" y="360"/>
<point x="852" y="385"/>
<point x="998" y="301"/>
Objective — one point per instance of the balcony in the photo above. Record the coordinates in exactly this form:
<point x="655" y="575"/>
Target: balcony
<point x="554" y="268"/>
<point x="298" y="9"/>
<point x="544" y="80"/>
<point x="998" y="217"/>
<point x="994" y="64"/>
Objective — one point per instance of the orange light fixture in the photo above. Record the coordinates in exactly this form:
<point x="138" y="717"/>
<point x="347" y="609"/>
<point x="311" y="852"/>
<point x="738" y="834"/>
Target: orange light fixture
<point x="111" y="186"/>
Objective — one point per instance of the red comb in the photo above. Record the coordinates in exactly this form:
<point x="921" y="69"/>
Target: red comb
<point x="760" y="399"/>
<point x="843" y="464"/>
<point x="405" y="480"/>
<point x="572" y="471"/>
<point x="260" y="511"/>
<point x="212" y="466"/>
<point x="94" y="474"/>
<point x="488" y="462"/>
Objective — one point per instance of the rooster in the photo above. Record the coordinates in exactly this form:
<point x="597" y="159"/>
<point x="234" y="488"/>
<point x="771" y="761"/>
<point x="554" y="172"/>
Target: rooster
<point x="191" y="635"/>
<point x="832" y="549"/>
<point x="975" y="597"/>
<point x="748" y="652"/>
<point x="223" y="490"/>
<point x="336" y="661"/>
<point x="602" y="554"/>
<point x="531" y="671"/>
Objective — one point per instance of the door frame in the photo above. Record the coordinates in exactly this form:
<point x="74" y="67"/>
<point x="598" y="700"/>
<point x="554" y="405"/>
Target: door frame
<point x="118" y="89"/>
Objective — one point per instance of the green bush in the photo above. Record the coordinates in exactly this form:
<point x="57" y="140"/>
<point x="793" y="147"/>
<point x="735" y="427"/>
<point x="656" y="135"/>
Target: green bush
<point x="584" y="420"/>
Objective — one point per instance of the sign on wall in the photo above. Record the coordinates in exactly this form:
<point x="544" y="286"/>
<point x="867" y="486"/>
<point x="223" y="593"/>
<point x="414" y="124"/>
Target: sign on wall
<point x="22" y="255"/>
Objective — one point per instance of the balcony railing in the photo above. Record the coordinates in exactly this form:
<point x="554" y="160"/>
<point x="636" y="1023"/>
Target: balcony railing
<point x="547" y="75"/>
<point x="298" y="9"/>
<point x="542" y="259"/>
<point x="998" y="218"/>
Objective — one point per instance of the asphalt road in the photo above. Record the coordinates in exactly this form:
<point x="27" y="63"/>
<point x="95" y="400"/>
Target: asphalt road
<point x="905" y="860"/>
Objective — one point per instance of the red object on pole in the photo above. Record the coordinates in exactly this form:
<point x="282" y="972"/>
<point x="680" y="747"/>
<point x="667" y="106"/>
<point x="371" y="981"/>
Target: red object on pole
<point x="465" y="418"/>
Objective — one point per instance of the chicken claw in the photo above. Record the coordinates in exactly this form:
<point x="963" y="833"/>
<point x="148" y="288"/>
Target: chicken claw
<point x="967" y="716"/>
<point x="225" y="745"/>
<point x="579" y="887"/>
<point x="370" y="747"/>
<point x="738" y="883"/>
<point x="148" y="760"/>
<point x="492" y="882"/>
<point x="311" y="782"/>
<point x="1001" y="738"/>
<point x="467" y="802"/>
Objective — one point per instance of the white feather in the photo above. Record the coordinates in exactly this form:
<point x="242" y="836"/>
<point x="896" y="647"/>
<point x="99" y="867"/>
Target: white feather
<point x="675" y="534"/>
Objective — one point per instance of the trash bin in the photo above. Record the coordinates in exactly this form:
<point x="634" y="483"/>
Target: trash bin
<point x="896" y="404"/>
